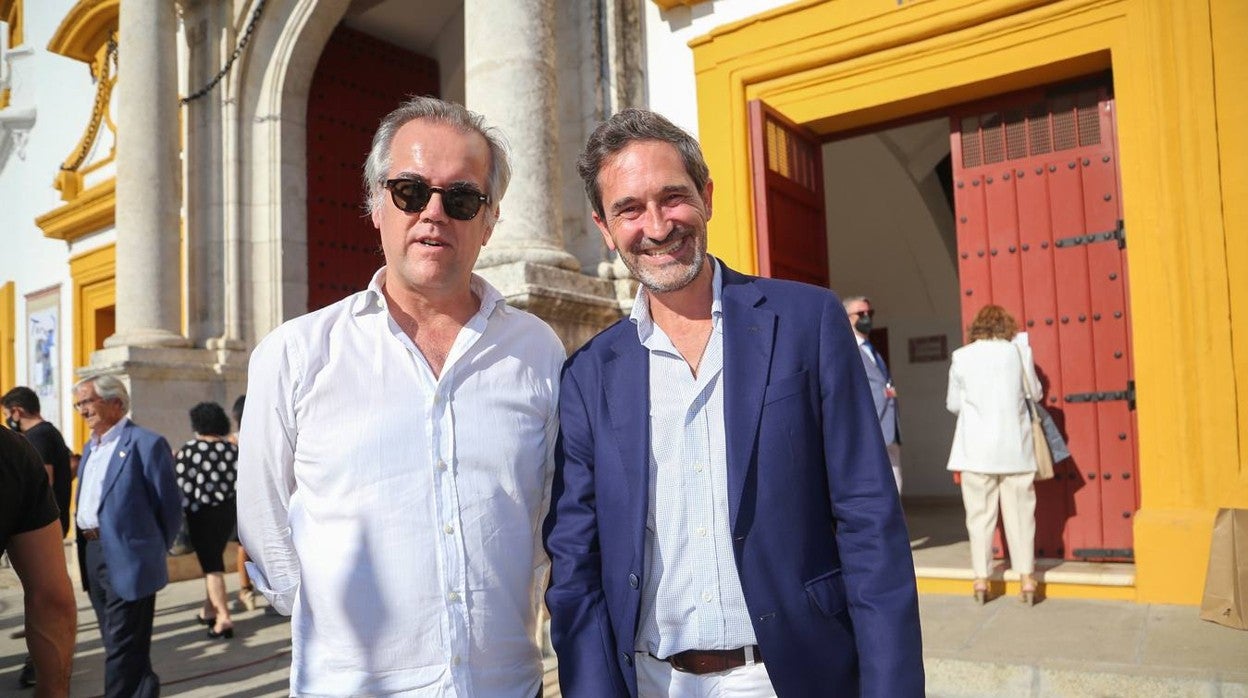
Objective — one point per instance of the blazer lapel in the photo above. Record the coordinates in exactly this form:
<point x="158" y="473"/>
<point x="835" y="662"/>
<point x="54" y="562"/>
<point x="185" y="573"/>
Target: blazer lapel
<point x="749" y="334"/>
<point x="626" y="382"/>
<point x="120" y="454"/>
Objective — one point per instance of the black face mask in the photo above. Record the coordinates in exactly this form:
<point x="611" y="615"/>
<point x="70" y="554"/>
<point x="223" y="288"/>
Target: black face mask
<point x="863" y="324"/>
<point x="13" y="424"/>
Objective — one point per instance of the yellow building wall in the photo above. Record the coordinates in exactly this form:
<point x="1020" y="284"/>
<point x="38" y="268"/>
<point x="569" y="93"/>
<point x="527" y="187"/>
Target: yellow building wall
<point x="8" y="336"/>
<point x="847" y="64"/>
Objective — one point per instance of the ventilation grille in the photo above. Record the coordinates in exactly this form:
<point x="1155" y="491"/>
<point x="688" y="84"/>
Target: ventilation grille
<point x="1060" y="122"/>
<point x="789" y="157"/>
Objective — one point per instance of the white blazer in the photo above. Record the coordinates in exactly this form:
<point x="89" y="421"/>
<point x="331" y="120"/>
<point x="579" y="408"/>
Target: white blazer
<point x="993" y="435"/>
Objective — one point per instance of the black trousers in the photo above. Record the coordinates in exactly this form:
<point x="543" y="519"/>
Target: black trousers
<point x="126" y="629"/>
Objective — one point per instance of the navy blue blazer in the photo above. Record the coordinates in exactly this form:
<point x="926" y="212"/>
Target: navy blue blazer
<point x="140" y="513"/>
<point x="820" y="543"/>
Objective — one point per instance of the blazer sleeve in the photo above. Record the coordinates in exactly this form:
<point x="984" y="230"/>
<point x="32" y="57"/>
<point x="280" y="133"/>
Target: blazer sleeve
<point x="953" y="396"/>
<point x="580" y="628"/>
<point x="871" y="534"/>
<point x="162" y="485"/>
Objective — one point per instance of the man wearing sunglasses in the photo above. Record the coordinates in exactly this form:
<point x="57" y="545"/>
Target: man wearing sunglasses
<point x="396" y="451"/>
<point x="862" y="318"/>
<point x="724" y="522"/>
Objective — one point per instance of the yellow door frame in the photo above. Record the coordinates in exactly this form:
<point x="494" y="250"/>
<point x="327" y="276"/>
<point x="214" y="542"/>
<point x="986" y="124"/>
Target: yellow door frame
<point x="8" y="336"/>
<point x="841" y="65"/>
<point x="94" y="290"/>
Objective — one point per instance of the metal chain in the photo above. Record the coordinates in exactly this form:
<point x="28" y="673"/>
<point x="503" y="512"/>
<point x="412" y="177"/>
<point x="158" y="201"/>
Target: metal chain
<point x="242" y="44"/>
<point x="108" y="69"/>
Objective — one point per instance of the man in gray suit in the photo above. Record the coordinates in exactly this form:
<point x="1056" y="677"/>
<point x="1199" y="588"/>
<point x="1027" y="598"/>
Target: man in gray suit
<point x="882" y="391"/>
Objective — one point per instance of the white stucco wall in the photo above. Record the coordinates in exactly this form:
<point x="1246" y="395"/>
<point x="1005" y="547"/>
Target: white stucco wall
<point x="884" y="242"/>
<point x="60" y="91"/>
<point x="670" y="86"/>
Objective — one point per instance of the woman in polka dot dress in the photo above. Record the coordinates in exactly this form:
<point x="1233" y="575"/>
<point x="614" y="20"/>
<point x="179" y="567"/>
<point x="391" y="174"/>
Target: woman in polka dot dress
<point x="206" y="467"/>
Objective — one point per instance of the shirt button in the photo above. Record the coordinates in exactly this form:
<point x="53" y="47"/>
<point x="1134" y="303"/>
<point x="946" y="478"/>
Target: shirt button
<point x="702" y="531"/>
<point x="448" y="528"/>
<point x="455" y="660"/>
<point x="441" y="464"/>
<point x="633" y="580"/>
<point x="453" y="596"/>
<point x="697" y="468"/>
<point x="706" y="596"/>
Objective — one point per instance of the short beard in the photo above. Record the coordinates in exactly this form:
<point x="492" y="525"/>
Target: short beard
<point x="656" y="286"/>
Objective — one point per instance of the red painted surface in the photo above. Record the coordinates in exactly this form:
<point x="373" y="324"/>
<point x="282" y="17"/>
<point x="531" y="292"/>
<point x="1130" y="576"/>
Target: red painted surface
<point x="1031" y="170"/>
<point x="787" y="168"/>
<point x="358" y="80"/>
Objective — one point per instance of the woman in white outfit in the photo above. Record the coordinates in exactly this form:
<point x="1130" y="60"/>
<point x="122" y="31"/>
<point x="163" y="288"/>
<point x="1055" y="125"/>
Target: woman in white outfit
<point x="992" y="455"/>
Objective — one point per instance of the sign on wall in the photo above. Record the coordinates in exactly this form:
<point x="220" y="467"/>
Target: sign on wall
<point x="43" y="350"/>
<point x="927" y="349"/>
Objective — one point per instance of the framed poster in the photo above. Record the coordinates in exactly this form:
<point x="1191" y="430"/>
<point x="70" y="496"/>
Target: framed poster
<point x="43" y="350"/>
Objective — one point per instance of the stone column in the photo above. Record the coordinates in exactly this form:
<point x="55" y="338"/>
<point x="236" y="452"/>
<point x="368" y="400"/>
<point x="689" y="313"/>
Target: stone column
<point x="509" y="77"/>
<point x="148" y="186"/>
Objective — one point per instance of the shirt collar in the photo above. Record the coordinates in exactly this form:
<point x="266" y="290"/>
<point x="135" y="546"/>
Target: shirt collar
<point x="113" y="433"/>
<point x="641" y="304"/>
<point x="372" y="299"/>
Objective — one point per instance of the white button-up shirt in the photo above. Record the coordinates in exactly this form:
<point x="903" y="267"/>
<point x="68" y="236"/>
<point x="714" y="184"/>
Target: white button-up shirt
<point x="692" y="597"/>
<point x="396" y="514"/>
<point x="91" y="482"/>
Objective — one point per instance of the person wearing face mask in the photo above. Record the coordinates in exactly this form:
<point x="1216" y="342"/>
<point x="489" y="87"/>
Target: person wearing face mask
<point x="883" y="392"/>
<point x="22" y="414"/>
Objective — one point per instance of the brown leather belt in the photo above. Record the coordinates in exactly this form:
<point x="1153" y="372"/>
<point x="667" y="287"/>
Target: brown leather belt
<point x="711" y="661"/>
<point x="90" y="533"/>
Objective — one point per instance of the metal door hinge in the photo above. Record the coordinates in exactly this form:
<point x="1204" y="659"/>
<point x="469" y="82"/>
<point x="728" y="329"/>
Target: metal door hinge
<point x="1128" y="395"/>
<point x="1118" y="234"/>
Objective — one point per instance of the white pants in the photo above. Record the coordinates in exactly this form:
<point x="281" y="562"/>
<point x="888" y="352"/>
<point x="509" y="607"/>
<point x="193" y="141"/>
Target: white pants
<point x="894" y="459"/>
<point x="1017" y="495"/>
<point x="657" y="679"/>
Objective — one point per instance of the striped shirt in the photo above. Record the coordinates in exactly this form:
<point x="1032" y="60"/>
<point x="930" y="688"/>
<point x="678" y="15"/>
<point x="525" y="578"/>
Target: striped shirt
<point x="692" y="597"/>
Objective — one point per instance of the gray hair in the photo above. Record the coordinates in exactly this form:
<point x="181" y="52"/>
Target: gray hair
<point x="629" y="125"/>
<point x="377" y="166"/>
<point x="108" y="388"/>
<point x="854" y="299"/>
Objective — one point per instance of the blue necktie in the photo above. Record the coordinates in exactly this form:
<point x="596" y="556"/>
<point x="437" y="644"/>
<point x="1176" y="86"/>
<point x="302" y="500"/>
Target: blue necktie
<point x="879" y="360"/>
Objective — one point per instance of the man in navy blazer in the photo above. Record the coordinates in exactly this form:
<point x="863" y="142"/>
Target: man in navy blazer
<point x="129" y="510"/>
<point x="723" y="517"/>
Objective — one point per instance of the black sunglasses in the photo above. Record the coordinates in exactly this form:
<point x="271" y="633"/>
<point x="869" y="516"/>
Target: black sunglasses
<point x="412" y="196"/>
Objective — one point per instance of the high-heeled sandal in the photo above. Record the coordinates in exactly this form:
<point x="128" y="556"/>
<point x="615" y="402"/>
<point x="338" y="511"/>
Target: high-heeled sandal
<point x="209" y="621"/>
<point x="979" y="589"/>
<point x="227" y="634"/>
<point x="1027" y="590"/>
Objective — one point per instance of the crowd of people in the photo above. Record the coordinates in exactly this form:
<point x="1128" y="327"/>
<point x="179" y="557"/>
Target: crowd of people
<point x="705" y="495"/>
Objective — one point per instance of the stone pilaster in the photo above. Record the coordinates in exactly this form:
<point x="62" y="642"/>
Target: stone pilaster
<point x="148" y="178"/>
<point x="510" y="79"/>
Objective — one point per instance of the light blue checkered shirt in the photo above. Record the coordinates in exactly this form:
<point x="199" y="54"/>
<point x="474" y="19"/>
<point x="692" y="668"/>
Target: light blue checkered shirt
<point x="692" y="597"/>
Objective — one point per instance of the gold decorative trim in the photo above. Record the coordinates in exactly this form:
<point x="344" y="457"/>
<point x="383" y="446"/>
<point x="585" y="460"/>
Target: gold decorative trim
<point x="11" y="12"/>
<point x="91" y="211"/>
<point x="104" y="69"/>
<point x="85" y="29"/>
<point x="5" y="95"/>
<point x="666" y="5"/>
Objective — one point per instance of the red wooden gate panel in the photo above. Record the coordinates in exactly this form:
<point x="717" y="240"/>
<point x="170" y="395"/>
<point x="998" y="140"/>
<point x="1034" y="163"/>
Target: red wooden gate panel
<point x="358" y="80"/>
<point x="1039" y="232"/>
<point x="787" y="165"/>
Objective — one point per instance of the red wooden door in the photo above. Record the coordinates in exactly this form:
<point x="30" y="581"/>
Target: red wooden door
<point x="1039" y="232"/>
<point x="358" y="80"/>
<point x="787" y="168"/>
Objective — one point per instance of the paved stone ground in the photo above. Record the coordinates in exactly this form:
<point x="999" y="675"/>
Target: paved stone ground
<point x="1060" y="647"/>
